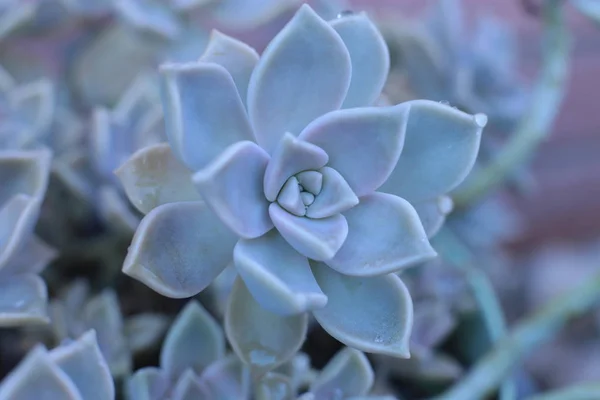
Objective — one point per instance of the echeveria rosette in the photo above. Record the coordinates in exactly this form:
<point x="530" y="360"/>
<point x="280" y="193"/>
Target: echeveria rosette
<point x="23" y="182"/>
<point x="286" y="184"/>
<point x="72" y="371"/>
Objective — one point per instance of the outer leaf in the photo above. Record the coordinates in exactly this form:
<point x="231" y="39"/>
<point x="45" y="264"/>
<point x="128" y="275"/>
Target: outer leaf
<point x="82" y="361"/>
<point x="363" y="144"/>
<point x="348" y="373"/>
<point x="179" y="248"/>
<point x="310" y="61"/>
<point x="18" y="217"/>
<point x="369" y="56"/>
<point x="432" y="213"/>
<point x="35" y="375"/>
<point x="194" y="341"/>
<point x="148" y="384"/>
<point x="262" y="339"/>
<point x="384" y="236"/>
<point x="245" y="209"/>
<point x="370" y="314"/>
<point x="440" y="149"/>
<point x="23" y="300"/>
<point x="223" y="379"/>
<point x="278" y="277"/>
<point x="150" y="15"/>
<point x="203" y="111"/>
<point x="153" y="176"/>
<point x="33" y="257"/>
<point x="23" y="172"/>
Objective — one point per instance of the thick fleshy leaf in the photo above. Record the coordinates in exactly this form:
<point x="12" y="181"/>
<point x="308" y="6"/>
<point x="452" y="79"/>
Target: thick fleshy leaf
<point x="223" y="379"/>
<point x="278" y="277"/>
<point x="274" y="386"/>
<point x="311" y="181"/>
<point x="203" y="111"/>
<point x="319" y="239"/>
<point x="153" y="176"/>
<point x="262" y="339"/>
<point x="17" y="220"/>
<point x="289" y="198"/>
<point x="188" y="387"/>
<point x="363" y="144"/>
<point x="439" y="151"/>
<point x="348" y="373"/>
<point x="32" y="258"/>
<point x="149" y="15"/>
<point x="179" y="248"/>
<point x="303" y="73"/>
<point x="23" y="172"/>
<point x="385" y="235"/>
<point x="23" y="300"/>
<point x="232" y="188"/>
<point x="369" y="56"/>
<point x="144" y="331"/>
<point x="237" y="57"/>
<point x="36" y="374"/>
<point x="148" y="384"/>
<point x="249" y="14"/>
<point x="374" y="315"/>
<point x="299" y="370"/>
<point x="290" y="157"/>
<point x="335" y="197"/>
<point x="432" y="213"/>
<point x="194" y="341"/>
<point x="83" y="362"/>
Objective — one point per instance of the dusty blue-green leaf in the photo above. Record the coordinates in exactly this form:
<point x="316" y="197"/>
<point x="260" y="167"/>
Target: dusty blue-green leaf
<point x="348" y="373"/>
<point x="274" y="386"/>
<point x="369" y="56"/>
<point x="144" y="331"/>
<point x="242" y="165"/>
<point x="23" y="172"/>
<point x="374" y="315"/>
<point x="203" y="111"/>
<point x="249" y="14"/>
<point x="179" y="248"/>
<point x="188" y="387"/>
<point x="435" y="132"/>
<point x="278" y="277"/>
<point x="432" y="213"/>
<point x="335" y="196"/>
<point x="194" y="341"/>
<point x="23" y="300"/>
<point x="153" y="176"/>
<point x="385" y="235"/>
<point x="310" y="60"/>
<point x="148" y="384"/>
<point x="83" y="362"/>
<point x="262" y="339"/>
<point x="363" y="144"/>
<point x="37" y="374"/>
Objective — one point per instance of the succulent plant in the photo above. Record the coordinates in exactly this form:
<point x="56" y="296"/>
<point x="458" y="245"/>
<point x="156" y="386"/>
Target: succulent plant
<point x="72" y="371"/>
<point x="23" y="181"/>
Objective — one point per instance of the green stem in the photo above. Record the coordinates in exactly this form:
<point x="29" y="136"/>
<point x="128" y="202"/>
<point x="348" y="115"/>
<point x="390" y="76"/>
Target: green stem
<point x="584" y="391"/>
<point x="526" y="336"/>
<point x="458" y="255"/>
<point x="537" y="122"/>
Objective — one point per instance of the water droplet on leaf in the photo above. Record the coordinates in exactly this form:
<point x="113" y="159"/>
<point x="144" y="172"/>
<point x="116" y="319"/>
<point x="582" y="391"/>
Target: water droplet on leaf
<point x="480" y="119"/>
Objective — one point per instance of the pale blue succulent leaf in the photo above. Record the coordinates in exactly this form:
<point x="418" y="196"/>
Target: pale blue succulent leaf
<point x="154" y="176"/>
<point x="145" y="330"/>
<point x="432" y="213"/>
<point x="23" y="172"/>
<point x="311" y="181"/>
<point x="309" y="60"/>
<point x="203" y="111"/>
<point x="318" y="239"/>
<point x="33" y="257"/>
<point x="18" y="217"/>
<point x="589" y="8"/>
<point x="274" y="386"/>
<point x="86" y="367"/>
<point x="179" y="248"/>
<point x="385" y="235"/>
<point x="348" y="373"/>
<point x="248" y="14"/>
<point x="189" y="44"/>
<point x="278" y="277"/>
<point x="148" y="383"/>
<point x="335" y="197"/>
<point x="149" y="15"/>
<point x="435" y="132"/>
<point x="37" y="374"/>
<point x="235" y="56"/>
<point x="262" y="339"/>
<point x="23" y="300"/>
<point x="291" y="156"/>
<point x="363" y="144"/>
<point x="245" y="209"/>
<point x="223" y="378"/>
<point x="369" y="314"/>
<point x="188" y="387"/>
<point x="194" y="341"/>
<point x="369" y="57"/>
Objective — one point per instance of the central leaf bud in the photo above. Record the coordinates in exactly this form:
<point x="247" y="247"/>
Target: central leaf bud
<point x="300" y="191"/>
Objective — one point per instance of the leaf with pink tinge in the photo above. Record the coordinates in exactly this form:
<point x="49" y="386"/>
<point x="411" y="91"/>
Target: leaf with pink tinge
<point x="370" y="314"/>
<point x="335" y="197"/>
<point x="179" y="248"/>
<point x="262" y="339"/>
<point x="318" y="239"/>
<point x="291" y="156"/>
<point x="302" y="74"/>
<point x="363" y="144"/>
<point x="385" y="235"/>
<point x="203" y="111"/>
<point x="232" y="188"/>
<point x="277" y="275"/>
<point x="153" y="176"/>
